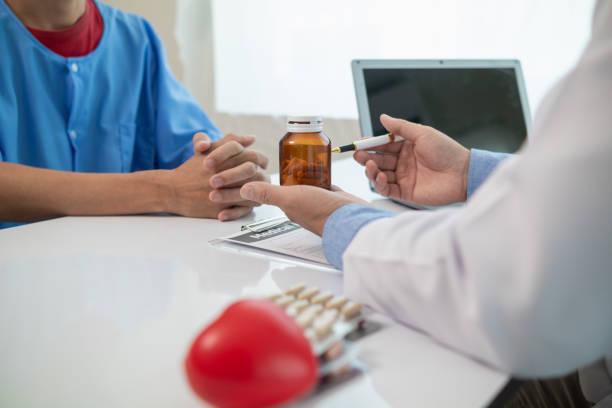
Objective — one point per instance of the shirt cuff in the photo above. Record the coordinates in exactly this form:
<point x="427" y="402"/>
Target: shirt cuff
<point x="342" y="226"/>
<point x="482" y="164"/>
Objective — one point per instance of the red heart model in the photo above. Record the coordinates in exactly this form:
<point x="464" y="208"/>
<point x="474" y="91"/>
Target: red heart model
<point x="253" y="355"/>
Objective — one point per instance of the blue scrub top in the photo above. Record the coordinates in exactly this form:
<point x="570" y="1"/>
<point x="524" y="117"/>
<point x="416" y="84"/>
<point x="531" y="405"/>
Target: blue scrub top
<point x="117" y="109"/>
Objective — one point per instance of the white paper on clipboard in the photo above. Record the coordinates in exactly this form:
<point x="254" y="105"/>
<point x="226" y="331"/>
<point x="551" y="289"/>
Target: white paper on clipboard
<point x="282" y="237"/>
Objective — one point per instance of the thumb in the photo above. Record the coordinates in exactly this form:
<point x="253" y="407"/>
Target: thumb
<point x="263" y="193"/>
<point x="245" y="141"/>
<point x="201" y="142"/>
<point x="408" y="130"/>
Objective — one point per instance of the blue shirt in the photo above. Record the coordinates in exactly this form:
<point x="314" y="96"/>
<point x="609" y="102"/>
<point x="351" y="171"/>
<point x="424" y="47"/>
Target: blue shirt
<point x="344" y="223"/>
<point x="117" y="109"/>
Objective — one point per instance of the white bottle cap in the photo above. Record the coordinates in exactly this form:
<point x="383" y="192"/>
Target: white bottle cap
<point x="304" y="123"/>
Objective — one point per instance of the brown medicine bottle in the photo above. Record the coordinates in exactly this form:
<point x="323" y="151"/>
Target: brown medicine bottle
<point x="305" y="153"/>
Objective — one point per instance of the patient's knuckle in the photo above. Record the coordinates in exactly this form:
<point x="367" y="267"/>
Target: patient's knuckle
<point x="222" y="195"/>
<point x="251" y="168"/>
<point x="236" y="146"/>
<point x="263" y="160"/>
<point x="250" y="155"/>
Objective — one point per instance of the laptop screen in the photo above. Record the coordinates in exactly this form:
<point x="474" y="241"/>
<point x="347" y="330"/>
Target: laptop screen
<point x="479" y="107"/>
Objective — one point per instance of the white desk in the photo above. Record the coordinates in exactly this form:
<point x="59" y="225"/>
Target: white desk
<point x="99" y="312"/>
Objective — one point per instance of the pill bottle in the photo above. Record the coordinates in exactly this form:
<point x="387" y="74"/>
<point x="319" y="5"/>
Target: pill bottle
<point x="305" y="153"/>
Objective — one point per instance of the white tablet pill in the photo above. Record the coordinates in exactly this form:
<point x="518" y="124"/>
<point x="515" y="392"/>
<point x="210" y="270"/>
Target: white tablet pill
<point x="308" y="293"/>
<point x="285" y="301"/>
<point x="351" y="310"/>
<point x="295" y="289"/>
<point x="336" y="303"/>
<point x="322" y="298"/>
<point x="306" y="318"/>
<point x="324" y="324"/>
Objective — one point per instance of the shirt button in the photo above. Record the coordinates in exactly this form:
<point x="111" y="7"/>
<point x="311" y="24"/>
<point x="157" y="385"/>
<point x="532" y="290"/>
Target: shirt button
<point x="73" y="134"/>
<point x="74" y="67"/>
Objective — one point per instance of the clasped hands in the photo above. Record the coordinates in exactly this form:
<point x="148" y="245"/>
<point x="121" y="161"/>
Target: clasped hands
<point x="208" y="184"/>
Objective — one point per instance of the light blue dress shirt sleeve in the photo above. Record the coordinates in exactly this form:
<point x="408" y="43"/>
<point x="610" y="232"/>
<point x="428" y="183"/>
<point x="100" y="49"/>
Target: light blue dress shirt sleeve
<point x="344" y="223"/>
<point x="342" y="226"/>
<point x="482" y="163"/>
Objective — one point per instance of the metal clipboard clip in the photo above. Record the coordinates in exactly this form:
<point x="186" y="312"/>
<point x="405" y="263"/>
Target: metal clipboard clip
<point x="263" y="225"/>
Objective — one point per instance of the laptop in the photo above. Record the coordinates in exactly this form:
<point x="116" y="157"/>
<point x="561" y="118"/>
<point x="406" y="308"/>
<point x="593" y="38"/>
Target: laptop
<point x="480" y="103"/>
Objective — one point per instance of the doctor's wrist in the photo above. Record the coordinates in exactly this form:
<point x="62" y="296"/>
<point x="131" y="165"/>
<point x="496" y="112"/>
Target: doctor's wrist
<point x="343" y="225"/>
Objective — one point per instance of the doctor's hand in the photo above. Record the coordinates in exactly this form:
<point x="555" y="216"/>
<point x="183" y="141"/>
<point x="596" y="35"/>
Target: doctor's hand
<point x="306" y="205"/>
<point x="427" y="168"/>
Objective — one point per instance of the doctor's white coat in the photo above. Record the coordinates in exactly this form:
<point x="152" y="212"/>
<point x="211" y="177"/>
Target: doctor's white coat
<point x="521" y="276"/>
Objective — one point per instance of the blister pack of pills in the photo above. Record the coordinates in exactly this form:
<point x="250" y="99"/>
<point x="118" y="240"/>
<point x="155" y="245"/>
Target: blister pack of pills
<point x="264" y="352"/>
<point x="327" y="320"/>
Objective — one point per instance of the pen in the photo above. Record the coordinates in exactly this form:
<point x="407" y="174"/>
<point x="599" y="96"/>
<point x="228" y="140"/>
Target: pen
<point x="368" y="142"/>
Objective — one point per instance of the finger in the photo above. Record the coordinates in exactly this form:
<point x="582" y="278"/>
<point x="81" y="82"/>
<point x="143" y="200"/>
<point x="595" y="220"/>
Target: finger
<point x="259" y="176"/>
<point x="381" y="184"/>
<point x="240" y="173"/>
<point x="383" y="161"/>
<point x="233" y="213"/>
<point x="389" y="148"/>
<point x="394" y="191"/>
<point x="371" y="170"/>
<point x="247" y="155"/>
<point x="408" y="130"/>
<point x="391" y="176"/>
<point x="223" y="153"/>
<point x="230" y="196"/>
<point x="226" y="195"/>
<point x="361" y="157"/>
<point x="336" y="188"/>
<point x="265" y="193"/>
<point x="201" y="142"/>
<point x="245" y="141"/>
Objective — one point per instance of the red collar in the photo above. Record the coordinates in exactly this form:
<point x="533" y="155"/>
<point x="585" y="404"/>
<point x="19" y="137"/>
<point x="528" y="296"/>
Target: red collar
<point x="75" y="41"/>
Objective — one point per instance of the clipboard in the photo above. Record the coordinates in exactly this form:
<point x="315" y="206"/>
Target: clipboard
<point x="279" y="236"/>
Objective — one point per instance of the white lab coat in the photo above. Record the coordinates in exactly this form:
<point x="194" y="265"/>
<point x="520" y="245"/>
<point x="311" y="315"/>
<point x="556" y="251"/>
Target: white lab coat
<point x="521" y="276"/>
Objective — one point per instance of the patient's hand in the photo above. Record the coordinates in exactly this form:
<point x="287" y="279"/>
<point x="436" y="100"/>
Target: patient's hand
<point x="208" y="184"/>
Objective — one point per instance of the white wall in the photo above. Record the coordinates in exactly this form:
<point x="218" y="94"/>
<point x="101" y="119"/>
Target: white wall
<point x="189" y="23"/>
<point x="192" y="64"/>
<point x="196" y="39"/>
<point x="162" y="15"/>
<point x="274" y="57"/>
